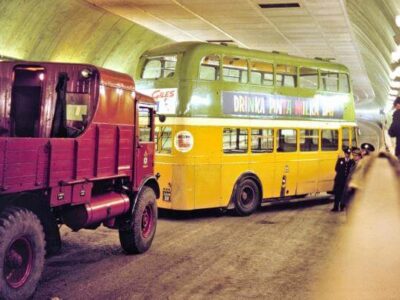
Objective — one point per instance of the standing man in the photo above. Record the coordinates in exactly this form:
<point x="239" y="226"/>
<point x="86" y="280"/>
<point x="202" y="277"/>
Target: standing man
<point x="342" y="168"/>
<point x="355" y="178"/>
<point x="394" y="130"/>
<point x="366" y="149"/>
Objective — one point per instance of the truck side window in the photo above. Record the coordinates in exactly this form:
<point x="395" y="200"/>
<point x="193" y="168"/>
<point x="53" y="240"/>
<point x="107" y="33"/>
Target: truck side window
<point x="145" y="118"/>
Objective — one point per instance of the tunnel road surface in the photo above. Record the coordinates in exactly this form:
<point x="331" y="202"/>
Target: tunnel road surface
<point x="276" y="253"/>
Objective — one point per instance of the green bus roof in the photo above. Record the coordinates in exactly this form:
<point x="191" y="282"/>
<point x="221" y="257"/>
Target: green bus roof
<point x="186" y="47"/>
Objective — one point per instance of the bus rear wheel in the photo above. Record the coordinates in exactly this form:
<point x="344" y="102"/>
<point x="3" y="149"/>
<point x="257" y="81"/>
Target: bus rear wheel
<point x="246" y="197"/>
<point x="138" y="238"/>
<point x="22" y="252"/>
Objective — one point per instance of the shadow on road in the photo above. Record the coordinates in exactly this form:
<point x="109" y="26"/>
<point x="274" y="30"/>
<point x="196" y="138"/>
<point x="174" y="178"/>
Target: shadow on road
<point x="219" y="212"/>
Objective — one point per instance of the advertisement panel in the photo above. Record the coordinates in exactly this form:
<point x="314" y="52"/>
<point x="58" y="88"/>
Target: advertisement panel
<point x="270" y="105"/>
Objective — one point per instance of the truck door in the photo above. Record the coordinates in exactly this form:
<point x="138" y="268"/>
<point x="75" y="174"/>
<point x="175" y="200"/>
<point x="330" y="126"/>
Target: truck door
<point x="26" y="101"/>
<point x="144" y="154"/>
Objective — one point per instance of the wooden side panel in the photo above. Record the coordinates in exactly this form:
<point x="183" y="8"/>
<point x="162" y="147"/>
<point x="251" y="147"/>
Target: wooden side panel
<point x="107" y="150"/>
<point x="3" y="149"/>
<point x="125" y="150"/>
<point x="24" y="164"/>
<point x="62" y="162"/>
<point x="86" y="155"/>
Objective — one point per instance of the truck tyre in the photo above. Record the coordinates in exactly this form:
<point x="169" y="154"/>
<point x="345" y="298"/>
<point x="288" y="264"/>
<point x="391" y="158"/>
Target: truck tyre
<point x="246" y="197"/>
<point x="138" y="238"/>
<point x="22" y="251"/>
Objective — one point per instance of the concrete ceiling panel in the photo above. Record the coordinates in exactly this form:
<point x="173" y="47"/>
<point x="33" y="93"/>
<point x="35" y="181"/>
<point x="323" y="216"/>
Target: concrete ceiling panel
<point x="75" y="31"/>
<point x="358" y="33"/>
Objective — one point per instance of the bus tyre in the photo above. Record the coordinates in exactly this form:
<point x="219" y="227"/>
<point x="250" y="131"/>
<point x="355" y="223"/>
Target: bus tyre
<point x="246" y="197"/>
<point x="138" y="238"/>
<point x="22" y="252"/>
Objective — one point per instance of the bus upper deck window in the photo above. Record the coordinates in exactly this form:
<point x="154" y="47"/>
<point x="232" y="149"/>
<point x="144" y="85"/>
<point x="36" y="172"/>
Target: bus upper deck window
<point x="286" y="75"/>
<point x="330" y="81"/>
<point x="159" y="67"/>
<point x="262" y="73"/>
<point x="344" y="83"/>
<point x="235" y="69"/>
<point x="308" y="78"/>
<point x="209" y="68"/>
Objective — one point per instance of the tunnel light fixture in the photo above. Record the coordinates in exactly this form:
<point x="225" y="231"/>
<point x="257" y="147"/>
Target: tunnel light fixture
<point x="396" y="55"/>
<point x="393" y="92"/>
<point x="395" y="84"/>
<point x="279" y="5"/>
<point x="398" y="21"/>
<point x="395" y="73"/>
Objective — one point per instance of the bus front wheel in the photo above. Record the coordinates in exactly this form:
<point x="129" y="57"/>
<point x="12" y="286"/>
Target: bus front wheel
<point x="246" y="197"/>
<point x="22" y="251"/>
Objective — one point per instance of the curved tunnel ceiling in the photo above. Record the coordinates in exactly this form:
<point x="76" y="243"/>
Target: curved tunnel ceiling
<point x="374" y="26"/>
<point x="72" y="31"/>
<point x="78" y="31"/>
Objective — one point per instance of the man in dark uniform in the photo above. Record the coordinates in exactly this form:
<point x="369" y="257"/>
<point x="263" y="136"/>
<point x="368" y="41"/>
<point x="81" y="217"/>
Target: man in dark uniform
<point x="366" y="149"/>
<point x="354" y="180"/>
<point x="394" y="130"/>
<point x="342" y="168"/>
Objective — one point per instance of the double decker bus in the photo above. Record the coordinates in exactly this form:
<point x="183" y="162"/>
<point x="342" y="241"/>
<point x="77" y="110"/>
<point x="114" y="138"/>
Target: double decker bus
<point x="245" y="126"/>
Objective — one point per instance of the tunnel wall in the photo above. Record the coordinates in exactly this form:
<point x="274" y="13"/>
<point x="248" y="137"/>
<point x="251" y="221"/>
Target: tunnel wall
<point x="72" y="31"/>
<point x="374" y="27"/>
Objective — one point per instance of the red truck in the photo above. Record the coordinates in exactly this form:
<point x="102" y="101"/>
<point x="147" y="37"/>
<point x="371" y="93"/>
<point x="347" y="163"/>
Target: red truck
<point x="76" y="148"/>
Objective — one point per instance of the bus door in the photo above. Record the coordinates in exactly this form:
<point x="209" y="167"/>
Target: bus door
<point x="286" y="163"/>
<point x="328" y="156"/>
<point x="308" y="161"/>
<point x="144" y="154"/>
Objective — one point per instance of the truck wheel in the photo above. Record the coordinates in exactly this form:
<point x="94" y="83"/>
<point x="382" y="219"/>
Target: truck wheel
<point x="246" y="197"/>
<point x="22" y="251"/>
<point x="139" y="237"/>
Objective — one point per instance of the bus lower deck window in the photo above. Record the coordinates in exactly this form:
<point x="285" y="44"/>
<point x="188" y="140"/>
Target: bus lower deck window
<point x="262" y="140"/>
<point x="309" y="140"/>
<point x="345" y="136"/>
<point x="163" y="139"/>
<point x="234" y="140"/>
<point x="286" y="140"/>
<point x="329" y="140"/>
